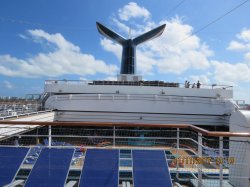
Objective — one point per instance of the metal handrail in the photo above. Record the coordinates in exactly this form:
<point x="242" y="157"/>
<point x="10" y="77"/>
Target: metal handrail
<point x="113" y="124"/>
<point x="24" y="114"/>
<point x="158" y="83"/>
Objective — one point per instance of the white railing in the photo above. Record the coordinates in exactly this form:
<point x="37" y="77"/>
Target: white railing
<point x="133" y="83"/>
<point x="7" y="117"/>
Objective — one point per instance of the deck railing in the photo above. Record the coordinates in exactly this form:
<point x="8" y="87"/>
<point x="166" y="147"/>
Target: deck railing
<point x="195" y="156"/>
<point x="134" y="83"/>
<point x="15" y="107"/>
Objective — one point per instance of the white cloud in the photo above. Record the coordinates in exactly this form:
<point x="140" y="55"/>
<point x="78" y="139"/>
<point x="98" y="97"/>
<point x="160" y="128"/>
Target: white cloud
<point x="247" y="57"/>
<point x="244" y="35"/>
<point x="203" y="79"/>
<point x="121" y="26"/>
<point x="111" y="46"/>
<point x="132" y="10"/>
<point x="8" y="85"/>
<point x="22" y="36"/>
<point x="236" y="72"/>
<point x="56" y="39"/>
<point x="226" y="73"/>
<point x="244" y="41"/>
<point x="237" y="46"/>
<point x="111" y="78"/>
<point x="66" y="58"/>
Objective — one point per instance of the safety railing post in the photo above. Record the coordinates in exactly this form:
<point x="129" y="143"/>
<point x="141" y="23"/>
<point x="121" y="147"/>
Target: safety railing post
<point x="221" y="164"/>
<point x="199" y="155"/>
<point x="50" y="138"/>
<point x="178" y="139"/>
<point x="113" y="136"/>
<point x="178" y="154"/>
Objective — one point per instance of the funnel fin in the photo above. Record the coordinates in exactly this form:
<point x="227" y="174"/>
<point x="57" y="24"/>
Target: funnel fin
<point x="110" y="34"/>
<point x="149" y="35"/>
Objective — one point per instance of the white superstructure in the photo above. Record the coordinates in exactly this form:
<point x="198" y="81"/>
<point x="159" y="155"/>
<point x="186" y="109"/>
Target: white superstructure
<point x="143" y="101"/>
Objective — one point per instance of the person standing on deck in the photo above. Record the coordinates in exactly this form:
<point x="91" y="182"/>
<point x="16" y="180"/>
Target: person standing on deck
<point x="198" y="84"/>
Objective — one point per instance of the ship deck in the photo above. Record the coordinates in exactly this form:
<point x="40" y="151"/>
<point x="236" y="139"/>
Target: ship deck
<point x="187" y="154"/>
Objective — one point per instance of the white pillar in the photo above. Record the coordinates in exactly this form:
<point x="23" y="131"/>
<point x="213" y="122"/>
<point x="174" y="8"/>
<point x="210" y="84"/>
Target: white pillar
<point x="199" y="155"/>
<point x="178" y="147"/>
<point x="221" y="164"/>
<point x="113" y="136"/>
<point x="50" y="139"/>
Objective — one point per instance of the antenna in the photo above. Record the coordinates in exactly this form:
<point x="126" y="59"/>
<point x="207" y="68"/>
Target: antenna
<point x="128" y="64"/>
<point x="129" y="33"/>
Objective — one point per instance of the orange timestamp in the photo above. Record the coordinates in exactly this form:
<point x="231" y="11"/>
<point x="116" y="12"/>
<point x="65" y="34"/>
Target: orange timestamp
<point x="204" y="160"/>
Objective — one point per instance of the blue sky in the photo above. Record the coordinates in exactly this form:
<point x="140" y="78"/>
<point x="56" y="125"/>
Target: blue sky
<point x="58" y="39"/>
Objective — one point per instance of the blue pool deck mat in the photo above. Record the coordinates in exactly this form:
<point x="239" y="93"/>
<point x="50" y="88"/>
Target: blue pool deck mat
<point x="150" y="169"/>
<point x="100" y="168"/>
<point x="11" y="159"/>
<point x="51" y="168"/>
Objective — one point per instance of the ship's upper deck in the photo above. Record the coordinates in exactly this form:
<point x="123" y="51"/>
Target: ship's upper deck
<point x="136" y="87"/>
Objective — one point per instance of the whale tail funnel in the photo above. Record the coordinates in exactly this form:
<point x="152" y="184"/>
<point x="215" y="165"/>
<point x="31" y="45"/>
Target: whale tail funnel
<point x="128" y="64"/>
